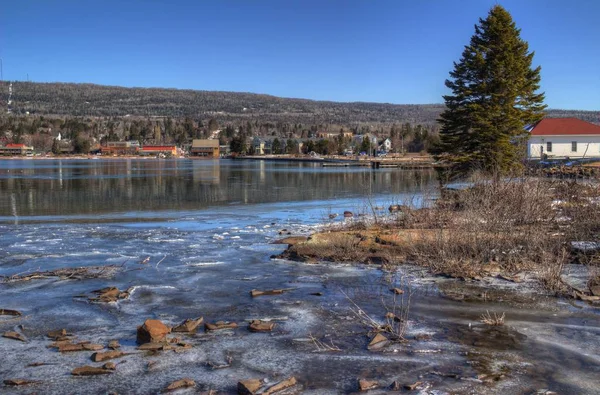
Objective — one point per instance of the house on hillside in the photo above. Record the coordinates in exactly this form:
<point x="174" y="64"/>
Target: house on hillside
<point x="205" y="148"/>
<point x="360" y="137"/>
<point x="258" y="146"/>
<point x="386" y="145"/>
<point x="564" y="137"/>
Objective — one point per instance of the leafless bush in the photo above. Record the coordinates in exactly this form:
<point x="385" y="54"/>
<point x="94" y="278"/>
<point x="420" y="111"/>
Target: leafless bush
<point x="501" y="226"/>
<point x="492" y="319"/>
<point x="396" y="309"/>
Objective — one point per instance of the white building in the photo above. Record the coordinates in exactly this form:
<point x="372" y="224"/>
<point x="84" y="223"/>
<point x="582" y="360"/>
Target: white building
<point x="564" y="137"/>
<point x="386" y="145"/>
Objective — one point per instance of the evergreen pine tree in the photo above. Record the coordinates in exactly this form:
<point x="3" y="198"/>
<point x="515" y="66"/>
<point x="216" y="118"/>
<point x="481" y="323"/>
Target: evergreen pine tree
<point x="493" y="99"/>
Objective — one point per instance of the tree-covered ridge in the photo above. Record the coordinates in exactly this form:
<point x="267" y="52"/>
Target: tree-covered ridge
<point x="89" y="100"/>
<point x="98" y="100"/>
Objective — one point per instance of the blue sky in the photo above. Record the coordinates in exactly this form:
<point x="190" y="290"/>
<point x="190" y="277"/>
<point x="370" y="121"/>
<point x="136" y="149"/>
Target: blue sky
<point x="395" y="51"/>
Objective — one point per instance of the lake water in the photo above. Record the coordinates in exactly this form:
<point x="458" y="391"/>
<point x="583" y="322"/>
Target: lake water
<point x="206" y="229"/>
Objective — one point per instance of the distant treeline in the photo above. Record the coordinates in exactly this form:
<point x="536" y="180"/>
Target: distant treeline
<point x="98" y="100"/>
<point x="88" y="114"/>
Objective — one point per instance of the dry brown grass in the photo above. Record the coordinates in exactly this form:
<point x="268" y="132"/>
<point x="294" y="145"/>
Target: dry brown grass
<point x="501" y="227"/>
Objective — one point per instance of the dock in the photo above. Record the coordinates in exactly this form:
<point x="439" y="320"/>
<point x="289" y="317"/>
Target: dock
<point x="374" y="163"/>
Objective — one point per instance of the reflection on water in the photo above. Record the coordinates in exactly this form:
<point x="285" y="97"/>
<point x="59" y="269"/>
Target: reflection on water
<point x="70" y="187"/>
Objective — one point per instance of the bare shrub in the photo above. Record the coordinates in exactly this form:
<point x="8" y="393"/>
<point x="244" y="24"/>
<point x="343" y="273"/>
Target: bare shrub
<point x="492" y="319"/>
<point x="504" y="226"/>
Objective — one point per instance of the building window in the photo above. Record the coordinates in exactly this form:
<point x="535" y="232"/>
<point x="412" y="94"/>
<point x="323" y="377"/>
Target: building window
<point x="573" y="146"/>
<point x="549" y="146"/>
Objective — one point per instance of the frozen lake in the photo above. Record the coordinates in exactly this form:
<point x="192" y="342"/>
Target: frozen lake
<point x="207" y="228"/>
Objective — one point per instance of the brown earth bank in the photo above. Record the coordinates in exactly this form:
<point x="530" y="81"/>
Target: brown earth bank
<point x="513" y="229"/>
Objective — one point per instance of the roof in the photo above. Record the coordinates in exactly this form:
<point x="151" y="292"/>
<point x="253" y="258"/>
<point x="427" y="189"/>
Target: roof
<point x="12" y="145"/>
<point x="564" y="127"/>
<point x="205" y="143"/>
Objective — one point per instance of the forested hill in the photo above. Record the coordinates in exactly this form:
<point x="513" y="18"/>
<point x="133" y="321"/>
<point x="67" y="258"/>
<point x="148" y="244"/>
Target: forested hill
<point x="98" y="100"/>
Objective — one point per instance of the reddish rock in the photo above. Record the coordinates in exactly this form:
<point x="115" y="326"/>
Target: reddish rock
<point x="254" y="293"/>
<point x="109" y="366"/>
<point x="260" y="326"/>
<point x="397" y="291"/>
<point x="153" y="331"/>
<point x="249" y="387"/>
<point x="10" y="312"/>
<point x="114" y="344"/>
<point x="68" y="347"/>
<point x="280" y="386"/>
<point x="14" y="336"/>
<point x="153" y="346"/>
<point x="90" y="371"/>
<point x="19" y="382"/>
<point x="105" y="356"/>
<point x="365" y="385"/>
<point x="183" y="383"/>
<point x="256" y="386"/>
<point x="57" y="335"/>
<point x="412" y="387"/>
<point x="189" y="325"/>
<point x="378" y="342"/>
<point x="220" y="325"/>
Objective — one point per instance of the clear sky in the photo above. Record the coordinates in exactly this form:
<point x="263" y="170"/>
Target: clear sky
<point x="396" y="51"/>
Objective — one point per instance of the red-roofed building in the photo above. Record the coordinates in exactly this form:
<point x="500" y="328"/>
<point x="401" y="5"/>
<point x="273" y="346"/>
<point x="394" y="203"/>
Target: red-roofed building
<point x="15" y="149"/>
<point x="562" y="137"/>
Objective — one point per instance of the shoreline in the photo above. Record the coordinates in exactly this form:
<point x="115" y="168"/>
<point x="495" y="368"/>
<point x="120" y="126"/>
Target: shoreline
<point x="469" y="248"/>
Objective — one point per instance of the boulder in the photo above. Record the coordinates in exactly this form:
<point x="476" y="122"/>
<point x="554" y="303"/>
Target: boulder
<point x="595" y="290"/>
<point x="220" y="325"/>
<point x="105" y="356"/>
<point x="19" y="382"/>
<point x="153" y="331"/>
<point x="261" y="326"/>
<point x="90" y="371"/>
<point x="249" y="387"/>
<point x="348" y="214"/>
<point x="189" y="325"/>
<point x="59" y="334"/>
<point x="109" y="366"/>
<point x="280" y="386"/>
<point x="154" y="347"/>
<point x="378" y="342"/>
<point x="397" y="291"/>
<point x="183" y="383"/>
<point x="83" y="346"/>
<point x="114" y="344"/>
<point x="109" y="294"/>
<point x="254" y="293"/>
<point x="365" y="385"/>
<point x="14" y="336"/>
<point x="10" y="312"/>
<point x="412" y="387"/>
